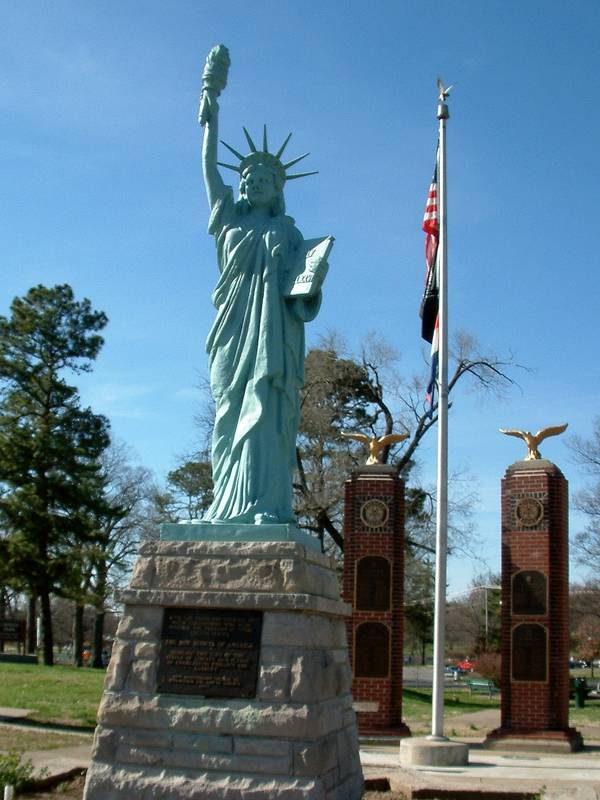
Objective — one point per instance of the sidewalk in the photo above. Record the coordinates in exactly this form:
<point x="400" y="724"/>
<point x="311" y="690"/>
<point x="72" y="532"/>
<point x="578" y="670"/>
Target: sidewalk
<point x="60" y="763"/>
<point x="509" y="774"/>
<point x="572" y="776"/>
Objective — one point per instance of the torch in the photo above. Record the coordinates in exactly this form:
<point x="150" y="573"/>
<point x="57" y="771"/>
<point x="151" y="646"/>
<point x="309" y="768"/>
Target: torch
<point x="214" y="79"/>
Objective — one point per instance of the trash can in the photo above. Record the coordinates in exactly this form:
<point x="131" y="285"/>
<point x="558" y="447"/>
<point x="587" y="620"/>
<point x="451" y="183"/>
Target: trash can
<point x="580" y="692"/>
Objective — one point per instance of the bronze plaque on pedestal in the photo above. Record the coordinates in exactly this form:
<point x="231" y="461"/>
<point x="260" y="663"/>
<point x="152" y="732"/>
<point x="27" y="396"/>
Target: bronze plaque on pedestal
<point x="529" y="653"/>
<point x="372" y="650"/>
<point x="209" y="652"/>
<point x="373" y="584"/>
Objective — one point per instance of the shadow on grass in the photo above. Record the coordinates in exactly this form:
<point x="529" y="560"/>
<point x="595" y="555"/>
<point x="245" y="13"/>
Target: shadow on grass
<point x="419" y="697"/>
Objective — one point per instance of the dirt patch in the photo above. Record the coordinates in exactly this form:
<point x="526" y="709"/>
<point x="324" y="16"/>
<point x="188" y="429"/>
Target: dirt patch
<point x="67" y="790"/>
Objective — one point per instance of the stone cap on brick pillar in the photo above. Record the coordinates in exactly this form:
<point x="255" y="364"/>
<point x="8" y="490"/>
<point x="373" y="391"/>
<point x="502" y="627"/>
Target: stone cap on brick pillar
<point x="534" y="465"/>
<point x="373" y="470"/>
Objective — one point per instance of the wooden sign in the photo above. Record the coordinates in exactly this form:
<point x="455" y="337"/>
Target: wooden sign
<point x="12" y="630"/>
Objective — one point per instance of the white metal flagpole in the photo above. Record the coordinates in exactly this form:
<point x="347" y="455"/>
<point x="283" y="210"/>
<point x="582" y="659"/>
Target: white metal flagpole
<point x="439" y="629"/>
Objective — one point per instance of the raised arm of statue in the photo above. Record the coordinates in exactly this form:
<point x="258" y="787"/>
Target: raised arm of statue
<point x="214" y="80"/>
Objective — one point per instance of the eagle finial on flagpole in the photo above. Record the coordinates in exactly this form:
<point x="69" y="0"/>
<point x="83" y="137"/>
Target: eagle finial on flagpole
<point x="444" y="91"/>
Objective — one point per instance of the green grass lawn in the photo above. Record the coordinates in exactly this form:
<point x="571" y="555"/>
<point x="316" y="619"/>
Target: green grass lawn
<point x="588" y="716"/>
<point x="57" y="694"/>
<point x="12" y="738"/>
<point x="416" y="706"/>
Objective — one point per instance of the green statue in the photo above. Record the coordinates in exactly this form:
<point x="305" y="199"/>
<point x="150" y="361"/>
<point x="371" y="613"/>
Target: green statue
<point x="269" y="286"/>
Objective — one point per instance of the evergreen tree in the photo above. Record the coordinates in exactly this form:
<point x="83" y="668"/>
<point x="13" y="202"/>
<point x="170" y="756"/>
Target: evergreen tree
<point x="49" y="444"/>
<point x="188" y="492"/>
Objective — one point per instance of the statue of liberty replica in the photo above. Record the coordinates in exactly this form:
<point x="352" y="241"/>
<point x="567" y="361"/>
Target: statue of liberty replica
<point x="229" y="674"/>
<point x="269" y="286"/>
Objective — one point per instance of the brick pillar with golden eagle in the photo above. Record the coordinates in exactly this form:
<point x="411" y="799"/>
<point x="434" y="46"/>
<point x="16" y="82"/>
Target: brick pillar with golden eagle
<point x="374" y="586"/>
<point x="535" y="604"/>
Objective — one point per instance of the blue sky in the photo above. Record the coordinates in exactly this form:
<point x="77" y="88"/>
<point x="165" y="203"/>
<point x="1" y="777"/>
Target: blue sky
<point x="101" y="188"/>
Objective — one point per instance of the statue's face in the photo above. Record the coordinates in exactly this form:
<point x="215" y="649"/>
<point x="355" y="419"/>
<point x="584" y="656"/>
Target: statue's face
<point x="260" y="186"/>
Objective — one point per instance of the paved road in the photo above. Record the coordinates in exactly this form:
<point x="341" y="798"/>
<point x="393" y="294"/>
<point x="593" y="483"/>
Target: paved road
<point x="421" y="676"/>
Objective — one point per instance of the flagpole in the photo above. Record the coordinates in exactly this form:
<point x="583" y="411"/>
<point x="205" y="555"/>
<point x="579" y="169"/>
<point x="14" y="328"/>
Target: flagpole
<point x="439" y="629"/>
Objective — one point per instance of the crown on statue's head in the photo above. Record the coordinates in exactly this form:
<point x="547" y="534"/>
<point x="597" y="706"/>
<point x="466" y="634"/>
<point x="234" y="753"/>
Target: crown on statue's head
<point x="271" y="161"/>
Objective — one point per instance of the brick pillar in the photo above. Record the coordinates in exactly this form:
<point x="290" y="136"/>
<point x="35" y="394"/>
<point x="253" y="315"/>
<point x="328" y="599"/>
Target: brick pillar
<point x="374" y="585"/>
<point x="535" y="609"/>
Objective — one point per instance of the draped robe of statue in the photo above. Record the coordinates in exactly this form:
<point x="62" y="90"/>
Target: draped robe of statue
<point x="256" y="361"/>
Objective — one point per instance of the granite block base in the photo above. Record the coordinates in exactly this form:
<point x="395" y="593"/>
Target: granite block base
<point x="296" y="737"/>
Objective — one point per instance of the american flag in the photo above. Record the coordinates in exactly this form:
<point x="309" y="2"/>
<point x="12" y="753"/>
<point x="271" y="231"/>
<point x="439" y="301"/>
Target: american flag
<point x="431" y="226"/>
<point x="430" y="302"/>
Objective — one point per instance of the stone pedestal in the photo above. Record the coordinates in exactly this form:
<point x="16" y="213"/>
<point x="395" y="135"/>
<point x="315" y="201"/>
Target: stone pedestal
<point x="425" y="752"/>
<point x="288" y="732"/>
<point x="374" y="585"/>
<point x="535" y="611"/>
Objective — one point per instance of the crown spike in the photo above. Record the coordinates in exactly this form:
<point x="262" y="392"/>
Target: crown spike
<point x="295" y="161"/>
<point x="232" y="150"/>
<point x="283" y="146"/>
<point x="301" y="175"/>
<point x="251" y="144"/>
<point x="265" y="145"/>
<point x="229" y="166"/>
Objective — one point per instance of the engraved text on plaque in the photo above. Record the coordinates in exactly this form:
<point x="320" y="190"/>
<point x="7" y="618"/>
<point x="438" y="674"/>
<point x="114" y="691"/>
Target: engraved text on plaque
<point x="209" y="652"/>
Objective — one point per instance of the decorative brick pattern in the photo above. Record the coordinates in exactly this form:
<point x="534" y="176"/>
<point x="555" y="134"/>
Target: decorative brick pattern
<point x="537" y="709"/>
<point x="381" y="696"/>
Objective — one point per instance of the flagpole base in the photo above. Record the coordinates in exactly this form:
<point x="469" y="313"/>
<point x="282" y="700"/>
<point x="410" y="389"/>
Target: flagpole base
<point x="433" y="752"/>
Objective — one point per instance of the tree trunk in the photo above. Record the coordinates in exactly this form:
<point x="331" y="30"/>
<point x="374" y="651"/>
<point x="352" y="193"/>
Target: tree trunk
<point x="31" y="625"/>
<point x="98" y="639"/>
<point x="78" y="635"/>
<point x="100" y="593"/>
<point x="47" y="628"/>
<point x="2" y="612"/>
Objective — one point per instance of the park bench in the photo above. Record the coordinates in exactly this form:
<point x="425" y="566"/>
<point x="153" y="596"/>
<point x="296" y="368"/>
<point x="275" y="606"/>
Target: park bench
<point x="482" y="686"/>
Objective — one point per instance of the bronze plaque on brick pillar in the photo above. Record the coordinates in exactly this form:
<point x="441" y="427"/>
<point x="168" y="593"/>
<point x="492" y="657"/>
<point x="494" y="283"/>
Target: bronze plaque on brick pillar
<point x="373" y="584"/>
<point x="529" y="593"/>
<point x="372" y="650"/>
<point x="529" y="652"/>
<point x="209" y="652"/>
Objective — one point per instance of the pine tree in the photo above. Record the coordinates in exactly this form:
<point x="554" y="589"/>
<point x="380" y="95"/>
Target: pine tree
<point x="49" y="444"/>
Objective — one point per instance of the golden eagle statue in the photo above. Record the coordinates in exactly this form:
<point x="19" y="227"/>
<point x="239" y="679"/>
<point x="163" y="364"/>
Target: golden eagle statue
<point x="532" y="440"/>
<point x="376" y="444"/>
